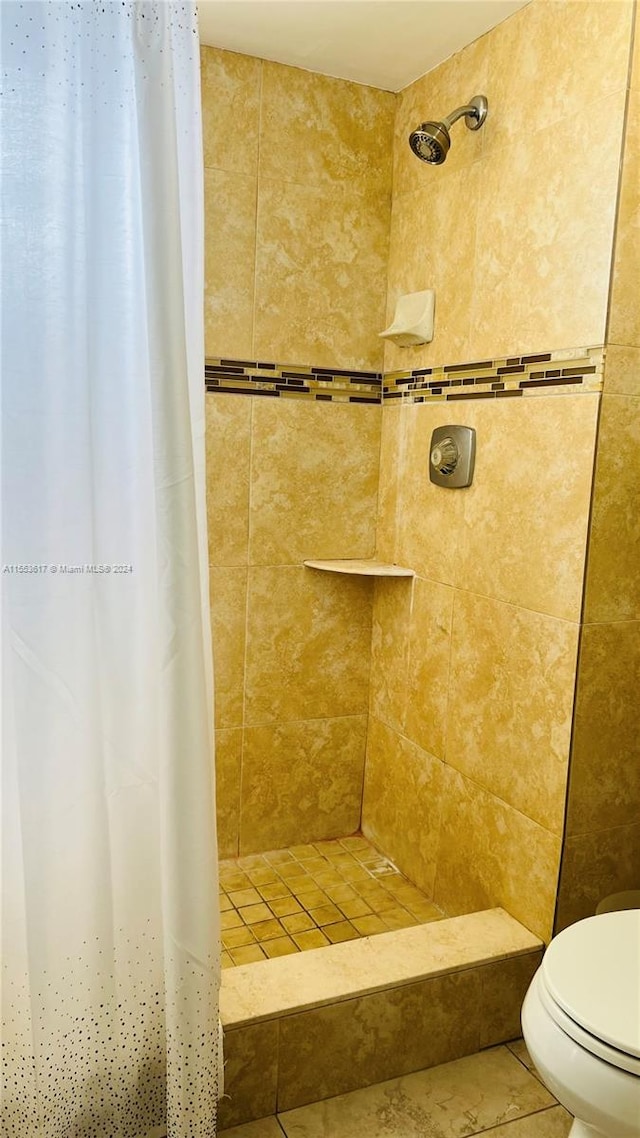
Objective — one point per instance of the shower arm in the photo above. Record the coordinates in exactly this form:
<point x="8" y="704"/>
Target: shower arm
<point x="468" y="109"/>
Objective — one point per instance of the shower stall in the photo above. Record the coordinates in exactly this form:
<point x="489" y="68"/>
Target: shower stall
<point x="400" y="748"/>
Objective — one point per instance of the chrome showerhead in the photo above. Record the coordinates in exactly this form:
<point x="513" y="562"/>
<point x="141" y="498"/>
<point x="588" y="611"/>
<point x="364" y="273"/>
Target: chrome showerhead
<point x="431" y="141"/>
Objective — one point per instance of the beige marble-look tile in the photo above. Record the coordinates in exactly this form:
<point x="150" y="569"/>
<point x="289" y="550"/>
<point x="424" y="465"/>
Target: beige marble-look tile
<point x="604" y="787"/>
<point x="624" y="319"/>
<point x="430" y="518"/>
<point x="491" y="854"/>
<point x="345" y="971"/>
<point x="593" y="866"/>
<point x="613" y="581"/>
<point x="318" y="248"/>
<point x="621" y="371"/>
<point x="518" y="667"/>
<point x="228" y="765"/>
<point x="402" y="802"/>
<point x="262" y="1128"/>
<point x="386" y="525"/>
<point x="230" y="241"/>
<point x="250" y="1073"/>
<point x="308" y="639"/>
<point x="518" y="1048"/>
<point x="457" y="1098"/>
<point x="531" y="82"/>
<point x="335" y="1049"/>
<point x="428" y="672"/>
<point x="301" y="779"/>
<point x="390" y="643"/>
<point x="314" y="481"/>
<point x="511" y="548"/>
<point x="556" y="232"/>
<point x="445" y="204"/>
<point x="503" y="988"/>
<point x="555" y="1122"/>
<point x="316" y="129"/>
<point x="230" y="109"/>
<point x="228" y="595"/>
<point x="228" y="441"/>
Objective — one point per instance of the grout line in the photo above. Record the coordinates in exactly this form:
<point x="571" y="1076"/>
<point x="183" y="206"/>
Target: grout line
<point x="246" y="625"/>
<point x="257" y="216"/>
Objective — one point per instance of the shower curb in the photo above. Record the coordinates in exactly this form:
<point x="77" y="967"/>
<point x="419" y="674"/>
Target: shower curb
<point x="305" y="1027"/>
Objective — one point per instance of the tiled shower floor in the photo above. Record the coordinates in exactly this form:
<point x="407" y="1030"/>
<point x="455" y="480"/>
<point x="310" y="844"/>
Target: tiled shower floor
<point x="285" y="901"/>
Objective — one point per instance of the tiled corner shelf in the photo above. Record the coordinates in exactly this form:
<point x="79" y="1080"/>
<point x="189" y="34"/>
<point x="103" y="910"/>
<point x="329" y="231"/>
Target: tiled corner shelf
<point x="361" y="568"/>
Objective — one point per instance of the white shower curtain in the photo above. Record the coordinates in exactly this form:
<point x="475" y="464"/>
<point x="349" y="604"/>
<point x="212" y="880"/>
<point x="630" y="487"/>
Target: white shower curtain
<point x="109" y="933"/>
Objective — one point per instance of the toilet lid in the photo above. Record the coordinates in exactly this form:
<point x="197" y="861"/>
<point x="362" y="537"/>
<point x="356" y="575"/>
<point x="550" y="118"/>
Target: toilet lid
<point x="592" y="971"/>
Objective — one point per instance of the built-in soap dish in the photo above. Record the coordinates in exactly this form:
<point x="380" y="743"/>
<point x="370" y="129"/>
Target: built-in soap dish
<point x="413" y="321"/>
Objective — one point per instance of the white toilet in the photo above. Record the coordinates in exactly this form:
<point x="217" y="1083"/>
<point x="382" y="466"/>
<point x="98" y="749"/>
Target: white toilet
<point x="581" y="1023"/>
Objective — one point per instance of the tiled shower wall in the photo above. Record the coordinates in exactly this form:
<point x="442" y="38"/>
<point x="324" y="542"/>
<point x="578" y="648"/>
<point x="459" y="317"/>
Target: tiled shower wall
<point x="298" y="198"/>
<point x="602" y="849"/>
<point x="473" y="664"/>
<point x="289" y="479"/>
<point x="298" y="193"/>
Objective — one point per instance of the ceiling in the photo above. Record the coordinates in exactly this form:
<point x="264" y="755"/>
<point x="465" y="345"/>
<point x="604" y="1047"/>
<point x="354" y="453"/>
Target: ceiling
<point x="383" y="43"/>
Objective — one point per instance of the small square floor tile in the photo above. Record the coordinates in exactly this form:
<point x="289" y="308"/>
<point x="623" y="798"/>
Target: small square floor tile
<point x="313" y="939"/>
<point x="235" y="938"/>
<point x="231" y="919"/>
<point x="275" y="891"/>
<point x="314" y="899"/>
<point x="368" y="926"/>
<point x="279" y="946"/>
<point x="340" y="932"/>
<point x="355" y="842"/>
<point x="340" y="893"/>
<point x="278" y="857"/>
<point x="332" y="845"/>
<point x="398" y="919"/>
<point x="357" y="908"/>
<point x="231" y="881"/>
<point x="315" y="864"/>
<point x="327" y="915"/>
<point x="247" y="954"/>
<point x="300" y="886"/>
<point x="292" y="869"/>
<point x="297" y="923"/>
<point x="251" y="914"/>
<point x="263" y="876"/>
<point x="302" y="852"/>
<point x="243" y="897"/>
<point x="285" y="907"/>
<point x="225" y="902"/>
<point x="267" y="930"/>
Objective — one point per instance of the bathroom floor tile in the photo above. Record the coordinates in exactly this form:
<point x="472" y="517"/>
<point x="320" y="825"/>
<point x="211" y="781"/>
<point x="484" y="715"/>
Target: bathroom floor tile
<point x="488" y="1092"/>
<point x="309" y="896"/>
<point x="251" y="914"/>
<point x="279" y="946"/>
<point x="247" y="954"/>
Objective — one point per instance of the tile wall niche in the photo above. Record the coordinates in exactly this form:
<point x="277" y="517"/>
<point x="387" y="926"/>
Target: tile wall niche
<point x="458" y="686"/>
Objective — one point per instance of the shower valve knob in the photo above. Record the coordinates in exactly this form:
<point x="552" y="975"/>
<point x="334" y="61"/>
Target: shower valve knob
<point x="444" y="456"/>
<point x="452" y="452"/>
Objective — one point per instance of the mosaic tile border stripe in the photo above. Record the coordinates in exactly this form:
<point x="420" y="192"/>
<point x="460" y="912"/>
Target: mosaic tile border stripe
<point x="253" y="377"/>
<point x="543" y="373"/>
